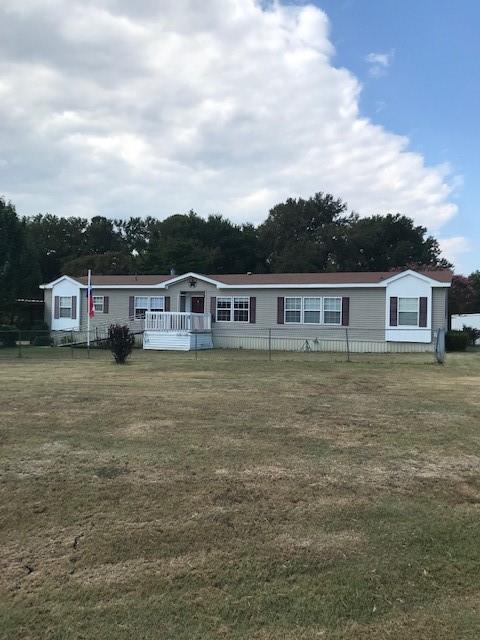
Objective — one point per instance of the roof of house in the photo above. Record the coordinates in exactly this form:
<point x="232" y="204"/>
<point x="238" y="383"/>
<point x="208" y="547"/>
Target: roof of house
<point x="339" y="277"/>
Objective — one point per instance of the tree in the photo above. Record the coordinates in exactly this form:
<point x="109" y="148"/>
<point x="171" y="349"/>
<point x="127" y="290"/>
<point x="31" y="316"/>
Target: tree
<point x="135" y="233"/>
<point x="56" y="241"/>
<point x="383" y="243"/>
<point x="110" y="263"/>
<point x="19" y="273"/>
<point x="475" y="282"/>
<point x="191" y="243"/>
<point x="462" y="296"/>
<point x="304" y="235"/>
<point x="101" y="236"/>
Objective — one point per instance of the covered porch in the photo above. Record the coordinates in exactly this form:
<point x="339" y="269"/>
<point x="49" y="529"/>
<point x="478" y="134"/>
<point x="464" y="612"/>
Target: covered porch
<point x="177" y="330"/>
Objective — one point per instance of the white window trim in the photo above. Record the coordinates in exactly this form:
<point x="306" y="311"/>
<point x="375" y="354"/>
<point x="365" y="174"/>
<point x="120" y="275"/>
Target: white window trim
<point x="322" y="322"/>
<point x="312" y="324"/>
<point x="232" y="308"/>
<point x="285" y="321"/>
<point x="102" y="298"/>
<point x="148" y="307"/>
<point x="408" y="326"/>
<point x="60" y="307"/>
<point x="332" y="324"/>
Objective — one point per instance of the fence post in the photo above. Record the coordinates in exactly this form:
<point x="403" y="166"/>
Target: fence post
<point x="196" y="349"/>
<point x="71" y="343"/>
<point x="348" y="345"/>
<point x="19" y="344"/>
<point x="269" y="344"/>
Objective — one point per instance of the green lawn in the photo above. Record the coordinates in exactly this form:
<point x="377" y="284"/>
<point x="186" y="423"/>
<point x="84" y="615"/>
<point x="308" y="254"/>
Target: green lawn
<point x="232" y="497"/>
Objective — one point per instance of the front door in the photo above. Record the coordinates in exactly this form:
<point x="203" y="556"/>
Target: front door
<point x="198" y="304"/>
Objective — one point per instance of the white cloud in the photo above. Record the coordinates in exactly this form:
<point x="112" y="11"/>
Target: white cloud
<point x="123" y="108"/>
<point x="379" y="62"/>
<point x="455" y="248"/>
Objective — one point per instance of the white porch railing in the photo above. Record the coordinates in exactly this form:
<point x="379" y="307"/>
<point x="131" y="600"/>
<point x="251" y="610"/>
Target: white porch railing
<point x="177" y="321"/>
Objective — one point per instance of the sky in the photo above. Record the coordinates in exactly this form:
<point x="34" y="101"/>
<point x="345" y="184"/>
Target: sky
<point x="230" y="106"/>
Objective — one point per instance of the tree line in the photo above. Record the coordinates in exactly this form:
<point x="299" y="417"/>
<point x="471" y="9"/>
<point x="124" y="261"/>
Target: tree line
<point x="298" y="235"/>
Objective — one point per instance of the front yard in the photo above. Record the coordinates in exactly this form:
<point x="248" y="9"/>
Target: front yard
<point x="232" y="497"/>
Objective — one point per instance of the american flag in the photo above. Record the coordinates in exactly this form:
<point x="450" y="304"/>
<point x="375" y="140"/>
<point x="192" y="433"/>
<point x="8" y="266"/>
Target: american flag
<point x="91" y="307"/>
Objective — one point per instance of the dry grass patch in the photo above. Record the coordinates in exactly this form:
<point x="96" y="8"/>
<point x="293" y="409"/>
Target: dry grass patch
<point x="235" y="498"/>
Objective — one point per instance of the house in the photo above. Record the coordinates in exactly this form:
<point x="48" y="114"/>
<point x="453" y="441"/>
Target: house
<point x="381" y="311"/>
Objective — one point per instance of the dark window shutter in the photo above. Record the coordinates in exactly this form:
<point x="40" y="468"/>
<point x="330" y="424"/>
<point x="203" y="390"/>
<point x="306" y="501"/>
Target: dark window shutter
<point x="106" y="304"/>
<point x="281" y="310"/>
<point x="423" y="312"/>
<point x="131" y="306"/>
<point x="213" y="308"/>
<point x="345" y="311"/>
<point x="56" y="307"/>
<point x="167" y="303"/>
<point x="183" y="302"/>
<point x="393" y="312"/>
<point x="253" y="309"/>
<point x="74" y="307"/>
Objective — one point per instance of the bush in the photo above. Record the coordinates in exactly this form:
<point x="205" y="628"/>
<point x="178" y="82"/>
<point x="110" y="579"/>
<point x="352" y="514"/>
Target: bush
<point x="8" y="335"/>
<point x="456" y="340"/>
<point x="120" y="341"/>
<point x="42" y="341"/>
<point x="473" y="334"/>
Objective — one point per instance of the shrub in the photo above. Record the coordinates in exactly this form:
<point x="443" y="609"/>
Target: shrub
<point x="42" y="341"/>
<point x="121" y="342"/>
<point x="8" y="335"/>
<point x="456" y="340"/>
<point x="473" y="334"/>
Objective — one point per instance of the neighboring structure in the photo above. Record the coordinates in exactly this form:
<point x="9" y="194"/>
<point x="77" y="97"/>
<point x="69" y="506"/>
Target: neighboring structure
<point x="461" y="320"/>
<point x="380" y="311"/>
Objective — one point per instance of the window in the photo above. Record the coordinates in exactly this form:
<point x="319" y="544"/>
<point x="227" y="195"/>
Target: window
<point x="332" y="310"/>
<point x="65" y="307"/>
<point x="157" y="303"/>
<point x="144" y="303"/>
<point x="224" y="309"/>
<point x="293" y="309"/>
<point x="312" y="309"/>
<point x="240" y="309"/>
<point x="141" y="306"/>
<point x="408" y="312"/>
<point x="235" y="309"/>
<point x="98" y="303"/>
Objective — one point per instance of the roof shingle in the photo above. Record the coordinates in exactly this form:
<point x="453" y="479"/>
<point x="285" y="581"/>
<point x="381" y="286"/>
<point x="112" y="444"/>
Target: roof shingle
<point x="339" y="277"/>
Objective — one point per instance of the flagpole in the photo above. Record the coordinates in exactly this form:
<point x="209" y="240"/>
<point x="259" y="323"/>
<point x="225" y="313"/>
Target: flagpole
<point x="89" y="290"/>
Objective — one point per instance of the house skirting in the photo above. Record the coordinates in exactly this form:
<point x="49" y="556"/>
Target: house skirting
<point x="177" y="341"/>
<point x="312" y="344"/>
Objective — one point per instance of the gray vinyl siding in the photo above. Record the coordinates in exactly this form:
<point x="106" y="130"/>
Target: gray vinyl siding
<point x="439" y="308"/>
<point x="367" y="314"/>
<point x="118" y="300"/>
<point x="47" y="309"/>
<point x="367" y="310"/>
<point x="118" y="306"/>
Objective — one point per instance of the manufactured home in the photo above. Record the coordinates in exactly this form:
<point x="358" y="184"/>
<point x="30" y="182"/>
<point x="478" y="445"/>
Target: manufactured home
<point x="381" y="311"/>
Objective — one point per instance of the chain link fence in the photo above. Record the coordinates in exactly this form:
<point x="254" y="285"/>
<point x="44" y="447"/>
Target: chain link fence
<point x="335" y="344"/>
